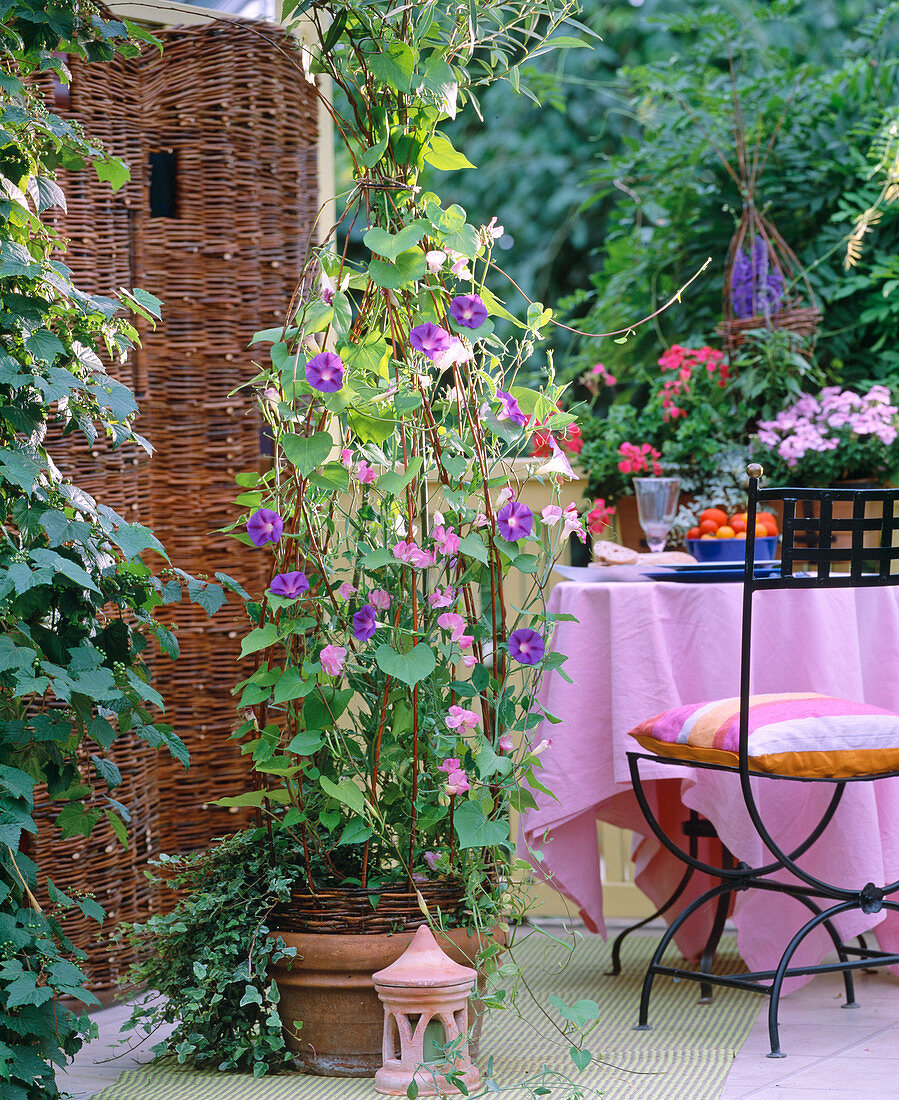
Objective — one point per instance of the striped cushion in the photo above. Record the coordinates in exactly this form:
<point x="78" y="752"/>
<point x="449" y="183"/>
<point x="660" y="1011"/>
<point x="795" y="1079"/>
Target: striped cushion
<point x="791" y="734"/>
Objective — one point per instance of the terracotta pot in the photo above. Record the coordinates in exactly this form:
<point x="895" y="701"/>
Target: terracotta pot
<point x="328" y="988"/>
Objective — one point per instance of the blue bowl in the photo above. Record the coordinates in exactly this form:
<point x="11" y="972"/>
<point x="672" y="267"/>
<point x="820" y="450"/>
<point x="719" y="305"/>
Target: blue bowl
<point x="732" y="549"/>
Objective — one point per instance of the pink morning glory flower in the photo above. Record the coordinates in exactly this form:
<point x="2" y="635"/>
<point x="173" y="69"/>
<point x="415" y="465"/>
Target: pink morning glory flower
<point x="457" y="351"/>
<point x="460" y="717"/>
<point x="445" y="597"/>
<point x="551" y="514"/>
<point x="365" y="473"/>
<point x="289" y="585"/>
<point x="434" y="259"/>
<point x="264" y="526"/>
<point x="509" y="409"/>
<point x="526" y="646"/>
<point x="332" y="658"/>
<point x="480" y="520"/>
<point x="514" y="521"/>
<point x="457" y="783"/>
<point x="347" y="590"/>
<point x="429" y="339"/>
<point x="379" y="598"/>
<point x="451" y="764"/>
<point x="506" y="743"/>
<point x="364" y="624"/>
<point x="546" y="743"/>
<point x="324" y="372"/>
<point x="346" y="458"/>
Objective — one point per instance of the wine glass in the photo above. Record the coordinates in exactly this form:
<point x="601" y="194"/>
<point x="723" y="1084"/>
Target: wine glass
<point x="657" y="500"/>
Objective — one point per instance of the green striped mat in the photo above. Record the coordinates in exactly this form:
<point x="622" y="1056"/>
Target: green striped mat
<point x="685" y="1056"/>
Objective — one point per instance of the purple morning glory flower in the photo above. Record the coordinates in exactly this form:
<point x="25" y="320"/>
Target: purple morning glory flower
<point x="289" y="585"/>
<point x="526" y="646"/>
<point x="264" y="526"/>
<point x="364" y="624"/>
<point x="468" y="311"/>
<point x="430" y="339"/>
<point x="324" y="372"/>
<point x="515" y="521"/>
<point x="509" y="409"/>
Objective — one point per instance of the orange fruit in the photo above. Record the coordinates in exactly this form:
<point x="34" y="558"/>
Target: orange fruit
<point x="716" y="514"/>
<point x="769" y="521"/>
<point x="740" y="516"/>
<point x="709" y="526"/>
<point x="761" y="531"/>
<point x="738" y="523"/>
<point x="707" y="536"/>
<point x="726" y="532"/>
<point x="740" y="535"/>
<point x="694" y="533"/>
<point x="770" y="528"/>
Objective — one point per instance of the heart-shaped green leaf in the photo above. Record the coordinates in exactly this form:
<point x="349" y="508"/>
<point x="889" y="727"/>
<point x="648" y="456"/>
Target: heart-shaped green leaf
<point x="410" y="668"/>
<point x="390" y="245"/>
<point x="307" y="452"/>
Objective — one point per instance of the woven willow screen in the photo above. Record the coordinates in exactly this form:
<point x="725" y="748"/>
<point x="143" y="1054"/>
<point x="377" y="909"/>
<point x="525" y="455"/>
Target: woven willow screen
<point x="220" y="133"/>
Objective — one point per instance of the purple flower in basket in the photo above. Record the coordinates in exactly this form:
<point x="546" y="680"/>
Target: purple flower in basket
<point x="289" y="585"/>
<point x="264" y="526"/>
<point x="324" y="372"/>
<point x="756" y="287"/>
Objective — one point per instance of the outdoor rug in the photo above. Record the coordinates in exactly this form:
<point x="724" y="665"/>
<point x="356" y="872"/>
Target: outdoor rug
<point x="685" y="1056"/>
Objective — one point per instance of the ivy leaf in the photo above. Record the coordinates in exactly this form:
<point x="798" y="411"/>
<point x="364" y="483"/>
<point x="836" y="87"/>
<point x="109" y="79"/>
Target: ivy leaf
<point x="307" y="452"/>
<point x="441" y="154"/>
<point x="107" y="770"/>
<point x="74" y="820"/>
<point x="69" y="569"/>
<point x="474" y="830"/>
<point x="91" y="908"/>
<point x="410" y="668"/>
<point x="25" y="991"/>
<point x="133" y="538"/>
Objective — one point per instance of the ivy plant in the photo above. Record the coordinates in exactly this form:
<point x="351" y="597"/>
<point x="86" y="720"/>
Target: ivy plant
<point x="76" y="598"/>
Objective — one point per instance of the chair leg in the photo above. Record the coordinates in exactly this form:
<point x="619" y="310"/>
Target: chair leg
<point x="670" y="932"/>
<point x="784" y="964"/>
<point x="711" y="947"/>
<point x="625" y="932"/>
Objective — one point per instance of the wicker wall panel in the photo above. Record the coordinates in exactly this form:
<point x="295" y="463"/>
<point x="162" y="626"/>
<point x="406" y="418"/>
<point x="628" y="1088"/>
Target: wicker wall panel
<point x="243" y="126"/>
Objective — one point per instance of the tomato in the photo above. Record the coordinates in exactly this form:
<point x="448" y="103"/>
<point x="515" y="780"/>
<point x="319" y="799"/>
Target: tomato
<point x="716" y="514"/>
<point x="769" y="520"/>
<point x="725" y="532"/>
<point x="709" y="526"/>
<point x="694" y="533"/>
<point x="738" y="523"/>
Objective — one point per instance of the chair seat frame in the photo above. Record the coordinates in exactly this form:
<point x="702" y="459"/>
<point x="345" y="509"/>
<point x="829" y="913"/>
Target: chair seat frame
<point x="807" y="543"/>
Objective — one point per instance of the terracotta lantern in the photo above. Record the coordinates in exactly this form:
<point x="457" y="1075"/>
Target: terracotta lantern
<point x="425" y="996"/>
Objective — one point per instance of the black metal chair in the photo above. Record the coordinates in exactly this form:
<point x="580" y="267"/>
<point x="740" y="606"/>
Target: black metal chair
<point x="750" y="737"/>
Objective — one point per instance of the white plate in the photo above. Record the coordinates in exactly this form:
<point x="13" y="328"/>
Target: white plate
<point x="599" y="574"/>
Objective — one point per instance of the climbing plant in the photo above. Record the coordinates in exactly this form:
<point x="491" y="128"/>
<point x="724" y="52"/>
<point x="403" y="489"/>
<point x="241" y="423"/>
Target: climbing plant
<point x="75" y="595"/>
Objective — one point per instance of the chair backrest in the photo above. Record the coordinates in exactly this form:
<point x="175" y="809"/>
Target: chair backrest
<point x="813" y="553"/>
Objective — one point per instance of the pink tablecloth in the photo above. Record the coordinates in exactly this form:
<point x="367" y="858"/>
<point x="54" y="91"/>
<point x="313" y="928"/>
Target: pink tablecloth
<point x="638" y="649"/>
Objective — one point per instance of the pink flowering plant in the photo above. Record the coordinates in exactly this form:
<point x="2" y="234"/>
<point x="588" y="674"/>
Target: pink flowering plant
<point x="673" y="420"/>
<point x="822" y="438"/>
<point x="392" y="660"/>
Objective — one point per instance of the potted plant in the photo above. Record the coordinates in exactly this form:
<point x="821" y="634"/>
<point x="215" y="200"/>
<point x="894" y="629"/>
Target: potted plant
<point x="389" y="684"/>
<point x="676" y="420"/>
